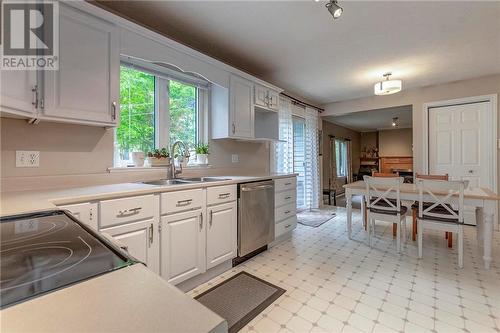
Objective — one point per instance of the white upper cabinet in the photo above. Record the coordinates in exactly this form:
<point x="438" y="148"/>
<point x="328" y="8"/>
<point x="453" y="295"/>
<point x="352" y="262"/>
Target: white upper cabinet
<point x="241" y="108"/>
<point x="233" y="110"/>
<point x="18" y="92"/>
<point x="86" y="86"/>
<point x="266" y="98"/>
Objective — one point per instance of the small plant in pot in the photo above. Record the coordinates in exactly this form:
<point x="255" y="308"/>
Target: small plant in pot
<point x="202" y="153"/>
<point x="159" y="157"/>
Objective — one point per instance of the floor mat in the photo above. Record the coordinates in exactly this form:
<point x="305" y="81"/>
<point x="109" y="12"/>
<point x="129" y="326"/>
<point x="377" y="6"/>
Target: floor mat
<point x="315" y="217"/>
<point x="240" y="298"/>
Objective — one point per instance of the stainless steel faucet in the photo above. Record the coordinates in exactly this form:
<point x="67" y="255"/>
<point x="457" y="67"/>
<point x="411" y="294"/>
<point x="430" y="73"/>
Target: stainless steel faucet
<point x="176" y="171"/>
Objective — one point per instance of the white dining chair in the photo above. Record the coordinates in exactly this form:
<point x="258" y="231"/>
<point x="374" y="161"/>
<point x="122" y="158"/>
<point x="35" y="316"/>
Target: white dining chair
<point x="436" y="212"/>
<point x="381" y="207"/>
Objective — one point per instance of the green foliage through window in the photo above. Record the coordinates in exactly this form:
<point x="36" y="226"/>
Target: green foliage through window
<point x="183" y="113"/>
<point x="137" y="112"/>
<point x="136" y="131"/>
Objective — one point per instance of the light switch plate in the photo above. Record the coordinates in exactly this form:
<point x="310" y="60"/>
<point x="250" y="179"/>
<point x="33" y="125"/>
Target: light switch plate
<point x="27" y="159"/>
<point x="235" y="158"/>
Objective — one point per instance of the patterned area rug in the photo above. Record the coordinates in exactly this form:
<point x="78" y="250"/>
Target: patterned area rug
<point x="315" y="217"/>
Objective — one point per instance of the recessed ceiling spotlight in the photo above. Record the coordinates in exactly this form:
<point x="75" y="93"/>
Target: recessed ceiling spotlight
<point x="388" y="86"/>
<point x="334" y="9"/>
<point x="395" y="122"/>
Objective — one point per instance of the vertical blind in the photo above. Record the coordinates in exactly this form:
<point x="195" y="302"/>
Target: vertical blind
<point x="312" y="177"/>
<point x="283" y="150"/>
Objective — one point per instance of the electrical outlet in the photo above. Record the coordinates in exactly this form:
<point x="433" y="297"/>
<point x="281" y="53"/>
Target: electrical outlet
<point x="235" y="158"/>
<point x="27" y="159"/>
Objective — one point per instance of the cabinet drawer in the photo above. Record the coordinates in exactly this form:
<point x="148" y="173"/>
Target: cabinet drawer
<point x="173" y="202"/>
<point x="284" y="184"/>
<point x="119" y="211"/>
<point x="221" y="194"/>
<point x="285" y="226"/>
<point x="284" y="212"/>
<point x="285" y="198"/>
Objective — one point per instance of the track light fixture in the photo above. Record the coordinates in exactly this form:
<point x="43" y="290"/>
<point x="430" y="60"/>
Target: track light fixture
<point x="334" y="9"/>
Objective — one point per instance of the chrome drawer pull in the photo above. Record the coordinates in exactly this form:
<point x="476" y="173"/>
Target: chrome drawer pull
<point x="129" y="212"/>
<point x="182" y="203"/>
<point x="288" y="226"/>
<point x="287" y="212"/>
<point x="201" y="221"/>
<point x="286" y="184"/>
<point x="288" y="198"/>
<point x="224" y="195"/>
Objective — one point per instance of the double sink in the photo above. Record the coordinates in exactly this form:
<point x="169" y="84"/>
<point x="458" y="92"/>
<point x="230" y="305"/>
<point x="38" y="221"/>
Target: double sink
<point x="184" y="181"/>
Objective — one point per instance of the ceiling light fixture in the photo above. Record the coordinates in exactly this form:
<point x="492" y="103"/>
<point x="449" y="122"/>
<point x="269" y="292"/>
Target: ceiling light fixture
<point x="388" y="86"/>
<point x="334" y="9"/>
<point x="395" y="122"/>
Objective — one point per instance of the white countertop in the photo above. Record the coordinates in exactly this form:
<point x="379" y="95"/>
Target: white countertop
<point x="131" y="299"/>
<point x="18" y="202"/>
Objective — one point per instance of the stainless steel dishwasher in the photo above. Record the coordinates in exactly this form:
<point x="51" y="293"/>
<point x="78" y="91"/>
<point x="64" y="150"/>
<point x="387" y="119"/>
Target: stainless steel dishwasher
<point x="255" y="216"/>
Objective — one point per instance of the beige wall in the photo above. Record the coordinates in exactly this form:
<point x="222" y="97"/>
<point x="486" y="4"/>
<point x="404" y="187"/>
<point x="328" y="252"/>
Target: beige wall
<point x="396" y="142"/>
<point x="368" y="139"/>
<point x="341" y="132"/>
<point x="417" y="97"/>
<point x="67" y="149"/>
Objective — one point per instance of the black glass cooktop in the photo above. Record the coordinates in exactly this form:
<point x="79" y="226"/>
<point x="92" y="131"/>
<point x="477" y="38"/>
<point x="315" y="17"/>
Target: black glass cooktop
<point x="47" y="251"/>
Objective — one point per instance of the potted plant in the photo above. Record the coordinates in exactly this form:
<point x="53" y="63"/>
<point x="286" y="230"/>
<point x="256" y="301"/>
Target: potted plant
<point x="159" y="157"/>
<point x="202" y="153"/>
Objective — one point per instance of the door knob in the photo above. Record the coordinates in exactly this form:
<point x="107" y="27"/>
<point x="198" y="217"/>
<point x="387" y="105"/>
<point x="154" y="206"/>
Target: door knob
<point x="471" y="171"/>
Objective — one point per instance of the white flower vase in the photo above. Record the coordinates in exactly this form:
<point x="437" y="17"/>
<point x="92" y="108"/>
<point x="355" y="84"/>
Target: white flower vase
<point x="202" y="158"/>
<point x="138" y="158"/>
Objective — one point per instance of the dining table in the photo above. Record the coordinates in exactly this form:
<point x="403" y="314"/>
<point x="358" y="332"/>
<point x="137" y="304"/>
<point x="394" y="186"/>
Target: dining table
<point x="482" y="198"/>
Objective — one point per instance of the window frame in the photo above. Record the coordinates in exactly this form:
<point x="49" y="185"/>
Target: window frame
<point x="162" y="109"/>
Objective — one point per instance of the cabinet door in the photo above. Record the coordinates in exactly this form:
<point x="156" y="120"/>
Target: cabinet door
<point x="84" y="212"/>
<point x="85" y="88"/>
<point x="260" y="96"/>
<point x="17" y="93"/>
<point x="273" y="100"/>
<point x="221" y="234"/>
<point x="182" y="246"/>
<point x="241" y="108"/>
<point x="141" y="239"/>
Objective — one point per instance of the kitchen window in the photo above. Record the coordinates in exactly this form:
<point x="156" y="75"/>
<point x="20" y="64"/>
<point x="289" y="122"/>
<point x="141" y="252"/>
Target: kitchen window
<point x="156" y="109"/>
<point x="341" y="157"/>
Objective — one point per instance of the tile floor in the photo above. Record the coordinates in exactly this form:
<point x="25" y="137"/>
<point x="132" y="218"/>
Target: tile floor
<point x="338" y="285"/>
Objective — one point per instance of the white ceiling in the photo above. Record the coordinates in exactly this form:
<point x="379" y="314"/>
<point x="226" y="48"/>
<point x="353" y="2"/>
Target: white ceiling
<point x="297" y="46"/>
<point x="372" y="120"/>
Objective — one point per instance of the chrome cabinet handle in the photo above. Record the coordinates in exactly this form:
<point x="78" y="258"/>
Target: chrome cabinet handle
<point x="211" y="218"/>
<point x="35" y="96"/>
<point x="287" y="212"/>
<point x="224" y="195"/>
<point x="113" y="110"/>
<point x="288" y="184"/>
<point x="182" y="203"/>
<point x="129" y="212"/>
<point x="234" y="128"/>
<point x="201" y="221"/>
<point x="288" y="198"/>
<point x="151" y="234"/>
<point x="288" y="226"/>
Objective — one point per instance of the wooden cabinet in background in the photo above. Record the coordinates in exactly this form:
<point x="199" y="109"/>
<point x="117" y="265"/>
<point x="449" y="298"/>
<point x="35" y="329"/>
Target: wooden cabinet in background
<point x="390" y="164"/>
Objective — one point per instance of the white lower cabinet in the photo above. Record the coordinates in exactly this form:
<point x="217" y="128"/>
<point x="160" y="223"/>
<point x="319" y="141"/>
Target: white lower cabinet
<point x="182" y="246"/>
<point x="221" y="233"/>
<point x="285" y="199"/>
<point x="140" y="239"/>
<point x="133" y="222"/>
<point x="84" y="212"/>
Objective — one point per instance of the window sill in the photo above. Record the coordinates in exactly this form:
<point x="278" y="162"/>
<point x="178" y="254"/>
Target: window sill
<point x="135" y="169"/>
<point x="197" y="167"/>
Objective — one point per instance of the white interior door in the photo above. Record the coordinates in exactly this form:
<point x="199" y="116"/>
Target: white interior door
<point x="460" y="144"/>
